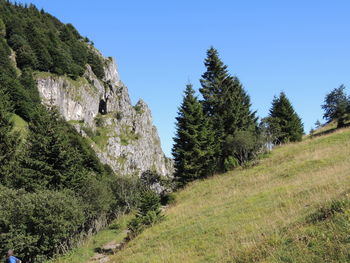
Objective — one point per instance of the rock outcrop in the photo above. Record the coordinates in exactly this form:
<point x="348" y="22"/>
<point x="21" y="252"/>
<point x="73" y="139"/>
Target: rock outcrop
<point x="122" y="135"/>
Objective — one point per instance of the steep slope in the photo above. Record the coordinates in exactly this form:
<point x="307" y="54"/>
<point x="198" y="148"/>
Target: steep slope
<point x="292" y="207"/>
<point x="122" y="135"/>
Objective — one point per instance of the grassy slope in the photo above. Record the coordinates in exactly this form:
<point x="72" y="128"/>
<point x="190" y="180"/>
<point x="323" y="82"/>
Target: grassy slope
<point x="86" y="250"/>
<point x="261" y="214"/>
<point x="19" y="125"/>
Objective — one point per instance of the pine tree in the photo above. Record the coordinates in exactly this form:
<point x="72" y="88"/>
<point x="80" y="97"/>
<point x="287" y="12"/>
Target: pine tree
<point x="337" y="106"/>
<point x="226" y="103"/>
<point x="8" y="139"/>
<point x="283" y="121"/>
<point x="193" y="149"/>
<point x="50" y="160"/>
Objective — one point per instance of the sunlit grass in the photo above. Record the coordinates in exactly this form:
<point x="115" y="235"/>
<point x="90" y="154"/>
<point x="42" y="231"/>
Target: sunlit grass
<point x="248" y="215"/>
<point x="20" y="126"/>
<point x="85" y="251"/>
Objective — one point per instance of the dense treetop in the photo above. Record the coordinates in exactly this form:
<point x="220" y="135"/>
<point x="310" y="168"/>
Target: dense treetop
<point x="193" y="149"/>
<point x="283" y="122"/>
<point x="337" y="106"/>
<point x="43" y="43"/>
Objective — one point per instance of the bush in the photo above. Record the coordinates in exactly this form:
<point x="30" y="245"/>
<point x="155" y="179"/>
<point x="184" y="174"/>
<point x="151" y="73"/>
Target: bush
<point x="38" y="225"/>
<point x="126" y="191"/>
<point x="243" y="146"/>
<point x="150" y="178"/>
<point x="168" y="199"/>
<point x="230" y="163"/>
<point x="99" y="120"/>
<point x="148" y="214"/>
<point x="97" y="199"/>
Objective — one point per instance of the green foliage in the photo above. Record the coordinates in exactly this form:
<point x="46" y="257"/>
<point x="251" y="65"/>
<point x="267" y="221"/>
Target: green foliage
<point x="37" y="225"/>
<point x="168" y="199"/>
<point x="227" y="105"/>
<point x="149" y="178"/>
<point x="193" y="150"/>
<point x="337" y="106"/>
<point x="244" y="145"/>
<point x="148" y="214"/>
<point x="43" y="43"/>
<point x="65" y="190"/>
<point x="2" y="29"/>
<point x="230" y="163"/>
<point x="97" y="199"/>
<point x="283" y="123"/>
<point x="138" y="109"/>
<point x="96" y="64"/>
<point x="99" y="120"/>
<point x="118" y="115"/>
<point x="22" y="99"/>
<point x="55" y="156"/>
<point x="8" y="140"/>
<point x="126" y="191"/>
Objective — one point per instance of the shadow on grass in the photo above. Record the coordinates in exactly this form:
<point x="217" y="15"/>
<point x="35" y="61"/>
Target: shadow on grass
<point x="330" y="131"/>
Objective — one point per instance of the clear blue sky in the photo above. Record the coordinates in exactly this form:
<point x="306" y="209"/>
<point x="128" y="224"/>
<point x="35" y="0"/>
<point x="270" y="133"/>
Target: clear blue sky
<point x="296" y="46"/>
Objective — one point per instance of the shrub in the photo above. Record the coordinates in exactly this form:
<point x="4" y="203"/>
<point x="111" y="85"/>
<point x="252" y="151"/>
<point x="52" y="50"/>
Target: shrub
<point x="99" y="120"/>
<point x="148" y="214"/>
<point x="126" y="191"/>
<point x="38" y="225"/>
<point x="150" y="178"/>
<point x="230" y="163"/>
<point x="168" y="199"/>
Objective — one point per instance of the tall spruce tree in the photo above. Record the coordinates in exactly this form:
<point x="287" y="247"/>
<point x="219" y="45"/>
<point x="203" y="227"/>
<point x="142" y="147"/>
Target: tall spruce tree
<point x="283" y="121"/>
<point x="193" y="150"/>
<point x="227" y="105"/>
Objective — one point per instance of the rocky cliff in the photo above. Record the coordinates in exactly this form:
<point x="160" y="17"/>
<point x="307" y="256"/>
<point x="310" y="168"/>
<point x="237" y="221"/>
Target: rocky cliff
<point x="122" y="135"/>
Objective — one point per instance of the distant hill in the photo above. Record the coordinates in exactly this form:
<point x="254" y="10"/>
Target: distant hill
<point x="294" y="206"/>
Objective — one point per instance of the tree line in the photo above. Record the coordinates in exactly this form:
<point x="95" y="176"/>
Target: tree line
<point x="220" y="131"/>
<point x="43" y="43"/>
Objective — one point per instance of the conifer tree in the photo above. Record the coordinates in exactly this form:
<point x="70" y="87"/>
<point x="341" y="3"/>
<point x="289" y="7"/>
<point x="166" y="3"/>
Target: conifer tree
<point x="284" y="121"/>
<point x="8" y="139"/>
<point x="226" y="103"/>
<point x="337" y="106"/>
<point x="193" y="150"/>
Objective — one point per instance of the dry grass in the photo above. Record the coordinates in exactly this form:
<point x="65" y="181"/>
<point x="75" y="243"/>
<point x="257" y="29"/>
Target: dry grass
<point x="246" y="215"/>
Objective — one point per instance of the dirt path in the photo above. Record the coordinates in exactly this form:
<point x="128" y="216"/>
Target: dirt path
<point x="102" y="254"/>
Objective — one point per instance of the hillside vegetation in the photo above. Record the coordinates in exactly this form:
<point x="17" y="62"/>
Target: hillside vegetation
<point x="292" y="207"/>
<point x="54" y="191"/>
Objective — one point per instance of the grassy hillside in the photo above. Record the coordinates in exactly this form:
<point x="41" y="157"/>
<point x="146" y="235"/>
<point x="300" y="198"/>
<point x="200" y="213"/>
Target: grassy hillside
<point x="292" y="207"/>
<point x="85" y="251"/>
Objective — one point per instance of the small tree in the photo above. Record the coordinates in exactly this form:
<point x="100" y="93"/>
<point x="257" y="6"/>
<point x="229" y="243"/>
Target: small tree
<point x="148" y="213"/>
<point x="193" y="150"/>
<point x="283" y="122"/>
<point x="336" y="106"/>
<point x="318" y="124"/>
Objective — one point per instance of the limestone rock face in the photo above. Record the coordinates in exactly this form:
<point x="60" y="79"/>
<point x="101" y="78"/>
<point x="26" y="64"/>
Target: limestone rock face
<point x="122" y="135"/>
